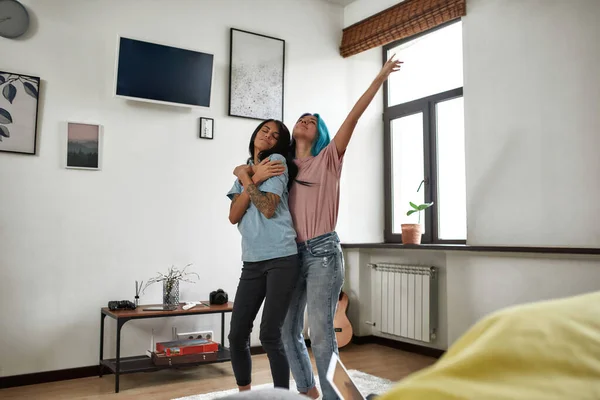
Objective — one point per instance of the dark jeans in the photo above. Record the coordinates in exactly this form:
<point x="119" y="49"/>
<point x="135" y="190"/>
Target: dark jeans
<point x="272" y="281"/>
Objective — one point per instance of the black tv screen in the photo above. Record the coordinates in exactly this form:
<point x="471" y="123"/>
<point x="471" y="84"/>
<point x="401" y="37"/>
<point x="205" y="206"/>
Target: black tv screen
<point x="154" y="72"/>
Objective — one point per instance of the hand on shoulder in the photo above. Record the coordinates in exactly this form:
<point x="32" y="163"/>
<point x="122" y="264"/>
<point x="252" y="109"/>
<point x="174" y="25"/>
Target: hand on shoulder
<point x="268" y="168"/>
<point x="278" y="157"/>
<point x="241" y="170"/>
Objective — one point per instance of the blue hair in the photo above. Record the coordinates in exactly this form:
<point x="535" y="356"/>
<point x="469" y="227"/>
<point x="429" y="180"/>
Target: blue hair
<point x="323" y="138"/>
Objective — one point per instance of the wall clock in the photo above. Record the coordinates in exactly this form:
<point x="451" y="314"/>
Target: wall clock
<point x="14" y="19"/>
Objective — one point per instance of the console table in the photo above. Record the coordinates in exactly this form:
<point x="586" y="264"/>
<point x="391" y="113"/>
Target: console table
<point x="128" y="365"/>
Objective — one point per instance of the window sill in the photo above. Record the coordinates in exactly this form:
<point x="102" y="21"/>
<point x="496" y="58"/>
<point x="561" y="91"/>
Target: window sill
<point x="465" y="247"/>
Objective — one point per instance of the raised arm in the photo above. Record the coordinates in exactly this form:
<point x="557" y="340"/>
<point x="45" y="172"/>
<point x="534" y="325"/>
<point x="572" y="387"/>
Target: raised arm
<point x="342" y="137"/>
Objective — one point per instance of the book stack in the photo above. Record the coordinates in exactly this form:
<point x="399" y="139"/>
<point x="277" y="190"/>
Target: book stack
<point x="185" y="351"/>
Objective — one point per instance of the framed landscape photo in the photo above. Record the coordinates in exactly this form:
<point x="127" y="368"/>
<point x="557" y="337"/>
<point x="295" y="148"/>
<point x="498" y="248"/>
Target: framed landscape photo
<point x="256" y="75"/>
<point x="19" y="100"/>
<point x="207" y="127"/>
<point x="84" y="146"/>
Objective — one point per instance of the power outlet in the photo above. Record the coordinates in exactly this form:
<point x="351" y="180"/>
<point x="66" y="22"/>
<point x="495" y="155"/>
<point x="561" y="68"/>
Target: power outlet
<point x="208" y="335"/>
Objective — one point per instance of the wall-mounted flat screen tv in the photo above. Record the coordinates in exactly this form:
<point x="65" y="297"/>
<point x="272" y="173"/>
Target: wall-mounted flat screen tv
<point x="158" y="73"/>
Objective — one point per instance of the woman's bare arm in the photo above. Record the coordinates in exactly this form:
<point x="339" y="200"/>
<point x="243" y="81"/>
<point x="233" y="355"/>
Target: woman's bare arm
<point x="265" y="202"/>
<point x="344" y="134"/>
<point x="239" y="205"/>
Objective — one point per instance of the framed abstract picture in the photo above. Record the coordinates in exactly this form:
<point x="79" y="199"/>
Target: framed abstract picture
<point x="19" y="101"/>
<point x="256" y="75"/>
<point x="84" y="146"/>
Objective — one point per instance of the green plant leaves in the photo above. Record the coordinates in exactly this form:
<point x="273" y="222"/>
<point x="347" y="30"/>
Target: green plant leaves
<point x="425" y="206"/>
<point x="5" y="117"/>
<point x="418" y="208"/>
<point x="30" y="90"/>
<point x="9" y="92"/>
<point x="4" y="132"/>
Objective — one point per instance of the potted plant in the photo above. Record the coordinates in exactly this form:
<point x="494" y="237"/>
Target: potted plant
<point x="171" y="283"/>
<point x="412" y="233"/>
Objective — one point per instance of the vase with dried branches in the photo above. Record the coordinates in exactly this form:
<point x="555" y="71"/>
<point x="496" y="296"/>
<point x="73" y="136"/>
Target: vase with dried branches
<point x="171" y="283"/>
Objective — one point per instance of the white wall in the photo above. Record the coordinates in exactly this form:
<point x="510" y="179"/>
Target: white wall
<point x="532" y="92"/>
<point x="471" y="285"/>
<point x="72" y="240"/>
<point x="532" y="96"/>
<point x="361" y="192"/>
<point x="361" y="9"/>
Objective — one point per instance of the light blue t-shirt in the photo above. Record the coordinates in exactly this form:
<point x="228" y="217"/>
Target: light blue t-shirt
<point x="264" y="238"/>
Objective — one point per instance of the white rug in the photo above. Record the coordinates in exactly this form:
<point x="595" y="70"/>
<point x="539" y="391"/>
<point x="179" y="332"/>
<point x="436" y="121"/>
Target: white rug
<point x="366" y="383"/>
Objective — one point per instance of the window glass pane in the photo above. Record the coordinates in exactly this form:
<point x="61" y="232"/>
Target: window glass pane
<point x="452" y="188"/>
<point x="407" y="168"/>
<point x="432" y="64"/>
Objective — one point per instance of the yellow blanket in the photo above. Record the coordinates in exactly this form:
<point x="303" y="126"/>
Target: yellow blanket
<point x="547" y="350"/>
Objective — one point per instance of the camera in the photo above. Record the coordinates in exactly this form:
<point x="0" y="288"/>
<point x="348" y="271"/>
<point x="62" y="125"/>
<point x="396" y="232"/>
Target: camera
<point x="121" y="305"/>
<point x="218" y="297"/>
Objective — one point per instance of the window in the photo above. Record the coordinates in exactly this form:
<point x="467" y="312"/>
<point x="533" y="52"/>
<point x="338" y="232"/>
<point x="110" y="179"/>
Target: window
<point x="425" y="136"/>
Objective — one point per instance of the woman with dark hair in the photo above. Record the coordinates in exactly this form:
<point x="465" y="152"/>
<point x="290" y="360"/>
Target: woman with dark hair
<point x="314" y="200"/>
<point x="259" y="206"/>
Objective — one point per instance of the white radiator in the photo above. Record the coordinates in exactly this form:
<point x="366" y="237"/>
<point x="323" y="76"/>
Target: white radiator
<point x="405" y="300"/>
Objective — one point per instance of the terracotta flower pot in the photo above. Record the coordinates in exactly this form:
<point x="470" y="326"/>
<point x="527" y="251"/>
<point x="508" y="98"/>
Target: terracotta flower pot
<point x="411" y="233"/>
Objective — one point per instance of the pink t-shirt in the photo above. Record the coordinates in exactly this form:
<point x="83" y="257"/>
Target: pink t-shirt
<point x="314" y="208"/>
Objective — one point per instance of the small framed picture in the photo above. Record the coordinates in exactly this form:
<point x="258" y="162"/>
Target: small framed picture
<point x="207" y="127"/>
<point x="84" y="146"/>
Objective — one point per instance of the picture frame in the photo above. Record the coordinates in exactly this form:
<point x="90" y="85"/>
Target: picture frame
<point x="83" y="145"/>
<point x="207" y="128"/>
<point x="19" y="108"/>
<point x="256" y="75"/>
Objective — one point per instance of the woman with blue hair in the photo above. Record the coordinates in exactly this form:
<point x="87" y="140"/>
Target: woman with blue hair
<point x="313" y="203"/>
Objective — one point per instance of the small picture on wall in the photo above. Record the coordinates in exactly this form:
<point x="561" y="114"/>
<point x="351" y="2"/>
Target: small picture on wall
<point x="207" y="126"/>
<point x="84" y="143"/>
<point x="18" y="112"/>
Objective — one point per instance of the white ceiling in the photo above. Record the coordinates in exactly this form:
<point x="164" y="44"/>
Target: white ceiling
<point x="341" y="2"/>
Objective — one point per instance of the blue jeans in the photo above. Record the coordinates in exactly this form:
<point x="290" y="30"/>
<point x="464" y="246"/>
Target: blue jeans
<point x="318" y="287"/>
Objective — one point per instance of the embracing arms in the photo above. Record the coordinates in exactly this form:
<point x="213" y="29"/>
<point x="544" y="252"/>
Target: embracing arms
<point x="344" y="134"/>
<point x="265" y="202"/>
<point x="250" y="177"/>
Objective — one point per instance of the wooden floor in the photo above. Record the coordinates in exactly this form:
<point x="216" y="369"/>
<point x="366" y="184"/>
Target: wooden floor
<point x="168" y="384"/>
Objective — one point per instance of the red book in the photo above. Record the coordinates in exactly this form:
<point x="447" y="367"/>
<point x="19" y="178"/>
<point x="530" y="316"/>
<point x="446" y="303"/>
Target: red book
<point x="185" y="347"/>
<point x="188" y="350"/>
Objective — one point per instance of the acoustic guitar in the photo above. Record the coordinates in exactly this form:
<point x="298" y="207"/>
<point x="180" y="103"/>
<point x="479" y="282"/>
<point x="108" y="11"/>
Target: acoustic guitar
<point x="341" y="323"/>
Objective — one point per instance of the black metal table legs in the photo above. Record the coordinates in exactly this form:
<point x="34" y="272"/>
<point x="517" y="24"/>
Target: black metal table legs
<point x="101" y="367"/>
